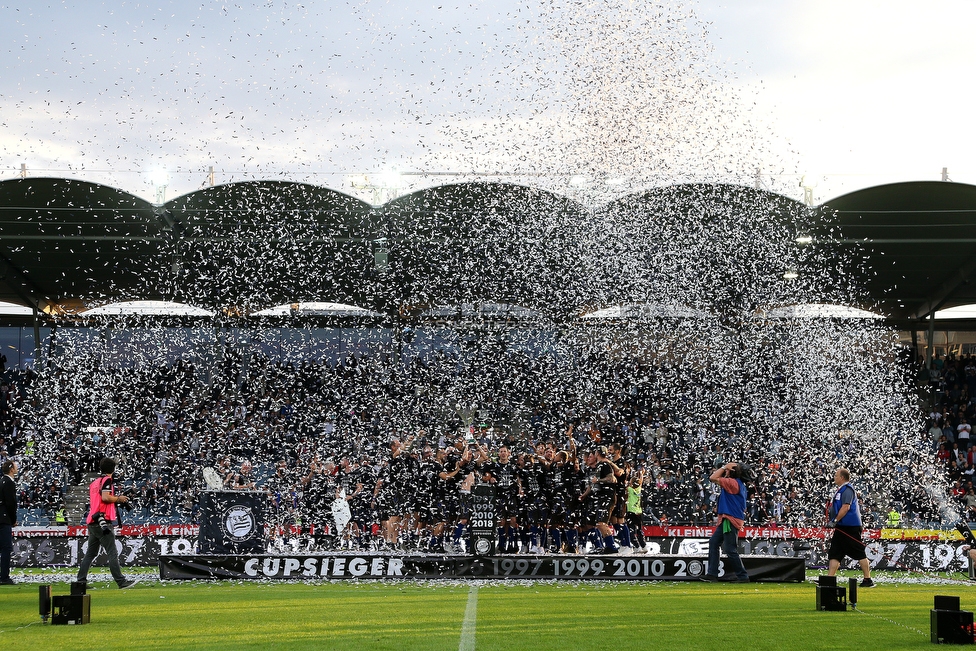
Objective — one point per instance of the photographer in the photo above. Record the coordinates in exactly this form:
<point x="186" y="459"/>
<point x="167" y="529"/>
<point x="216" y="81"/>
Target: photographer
<point x="102" y="517"/>
<point x="731" y="516"/>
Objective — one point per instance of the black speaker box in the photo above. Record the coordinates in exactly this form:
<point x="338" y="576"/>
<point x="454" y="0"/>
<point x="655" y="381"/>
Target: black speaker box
<point x="827" y="581"/>
<point x="71" y="609"/>
<point x="943" y="602"/>
<point x="951" y="626"/>
<point x="831" y="598"/>
<point x="44" y="601"/>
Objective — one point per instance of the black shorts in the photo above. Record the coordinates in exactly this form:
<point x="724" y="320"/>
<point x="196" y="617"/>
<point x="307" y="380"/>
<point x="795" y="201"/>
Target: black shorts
<point x="389" y="506"/>
<point x="448" y="508"/>
<point x="464" y="505"/>
<point x="507" y="505"/>
<point x="598" y="510"/>
<point x="557" y="511"/>
<point x="436" y="512"/>
<point x="534" y="511"/>
<point x="846" y="541"/>
<point x="620" y="508"/>
<point x="575" y="512"/>
<point x="360" y="513"/>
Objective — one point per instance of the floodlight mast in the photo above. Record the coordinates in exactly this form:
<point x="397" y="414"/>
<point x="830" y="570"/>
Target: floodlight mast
<point x="159" y="179"/>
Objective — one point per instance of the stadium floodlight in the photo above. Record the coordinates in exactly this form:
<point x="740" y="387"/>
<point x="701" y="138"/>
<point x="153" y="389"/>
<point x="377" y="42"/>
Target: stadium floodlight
<point x="390" y="182"/>
<point x="390" y="178"/>
<point x="159" y="178"/>
<point x="804" y="239"/>
<point x="790" y="275"/>
<point x="808" y="182"/>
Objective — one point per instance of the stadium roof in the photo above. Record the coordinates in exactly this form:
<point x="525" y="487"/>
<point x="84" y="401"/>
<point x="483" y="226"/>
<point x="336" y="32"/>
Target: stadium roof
<point x="61" y="239"/>
<point x="67" y="245"/>
<point x="918" y="241"/>
<point x="258" y="244"/>
<point x="482" y="243"/>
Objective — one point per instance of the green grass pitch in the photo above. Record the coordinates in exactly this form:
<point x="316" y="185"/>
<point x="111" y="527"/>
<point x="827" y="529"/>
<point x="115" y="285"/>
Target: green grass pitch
<point x="536" y="617"/>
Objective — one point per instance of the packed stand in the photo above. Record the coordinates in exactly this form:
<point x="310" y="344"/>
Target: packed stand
<point x="404" y="442"/>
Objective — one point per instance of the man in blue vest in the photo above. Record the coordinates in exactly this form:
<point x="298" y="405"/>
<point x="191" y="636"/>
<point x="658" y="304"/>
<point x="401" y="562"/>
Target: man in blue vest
<point x="845" y="518"/>
<point x="731" y="517"/>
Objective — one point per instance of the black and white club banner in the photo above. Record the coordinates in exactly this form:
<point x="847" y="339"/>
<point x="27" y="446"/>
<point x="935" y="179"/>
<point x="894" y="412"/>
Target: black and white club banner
<point x="482" y="520"/>
<point x="232" y="522"/>
<point x="143" y="546"/>
<point x="904" y="555"/>
<point x="350" y="566"/>
<point x="66" y="546"/>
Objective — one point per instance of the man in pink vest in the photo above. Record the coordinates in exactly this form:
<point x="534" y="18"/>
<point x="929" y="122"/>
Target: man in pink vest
<point x="102" y="518"/>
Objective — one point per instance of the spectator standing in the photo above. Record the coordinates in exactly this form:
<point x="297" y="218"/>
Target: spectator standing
<point x="963" y="430"/>
<point x="8" y="518"/>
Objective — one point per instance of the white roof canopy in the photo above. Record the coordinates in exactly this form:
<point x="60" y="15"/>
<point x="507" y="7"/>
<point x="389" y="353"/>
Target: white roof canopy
<point x="12" y="309"/>
<point x="958" y="312"/>
<point x="147" y="308"/>
<point x="315" y="309"/>
<point x="818" y="311"/>
<point x="647" y="311"/>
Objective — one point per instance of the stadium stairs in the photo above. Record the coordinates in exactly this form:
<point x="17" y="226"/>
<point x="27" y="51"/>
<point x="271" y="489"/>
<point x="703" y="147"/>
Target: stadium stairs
<point x="76" y="500"/>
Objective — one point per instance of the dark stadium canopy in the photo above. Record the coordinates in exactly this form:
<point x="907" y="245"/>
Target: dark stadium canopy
<point x="63" y="238"/>
<point x="918" y="241"/>
<point x="67" y="244"/>
<point x="473" y="243"/>
<point x="257" y="244"/>
<point x="716" y="231"/>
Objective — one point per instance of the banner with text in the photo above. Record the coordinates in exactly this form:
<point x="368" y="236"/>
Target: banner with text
<point x="887" y="549"/>
<point x="351" y="566"/>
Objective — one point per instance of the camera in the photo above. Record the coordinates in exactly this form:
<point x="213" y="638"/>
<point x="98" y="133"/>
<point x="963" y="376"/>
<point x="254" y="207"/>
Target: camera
<point x="125" y="506"/>
<point x="99" y="519"/>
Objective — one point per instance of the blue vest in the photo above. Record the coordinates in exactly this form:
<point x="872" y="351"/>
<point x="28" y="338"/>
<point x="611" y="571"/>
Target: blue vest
<point x="734" y="505"/>
<point x="853" y="517"/>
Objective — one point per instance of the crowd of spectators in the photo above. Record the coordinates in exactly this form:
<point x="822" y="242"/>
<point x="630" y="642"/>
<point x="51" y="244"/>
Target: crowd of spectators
<point x="43" y="488"/>
<point x="167" y="423"/>
<point x="950" y="386"/>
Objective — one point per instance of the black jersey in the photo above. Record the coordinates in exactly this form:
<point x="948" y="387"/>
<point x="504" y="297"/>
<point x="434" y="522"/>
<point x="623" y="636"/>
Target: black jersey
<point x="368" y="475"/>
<point x="449" y="486"/>
<point x="388" y="475"/>
<point x="283" y="481"/>
<point x="623" y="481"/>
<point x="506" y="476"/>
<point x="601" y="489"/>
<point x="534" y="480"/>
<point x="320" y="493"/>
<point x="396" y="476"/>
<point x="581" y="481"/>
<point x="428" y="481"/>
<point x="560" y="479"/>
<point x="349" y="481"/>
<point x="412" y="482"/>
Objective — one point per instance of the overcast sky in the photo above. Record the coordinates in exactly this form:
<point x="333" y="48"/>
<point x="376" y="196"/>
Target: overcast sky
<point x="851" y="94"/>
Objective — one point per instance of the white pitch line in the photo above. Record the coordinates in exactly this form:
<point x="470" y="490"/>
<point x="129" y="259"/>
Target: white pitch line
<point x="470" y="621"/>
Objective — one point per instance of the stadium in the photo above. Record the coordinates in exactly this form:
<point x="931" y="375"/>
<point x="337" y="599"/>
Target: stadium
<point x="299" y="344"/>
